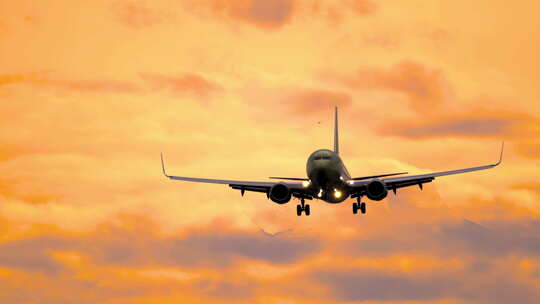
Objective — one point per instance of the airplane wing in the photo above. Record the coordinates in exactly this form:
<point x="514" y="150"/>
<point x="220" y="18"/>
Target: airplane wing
<point x="296" y="188"/>
<point x="394" y="183"/>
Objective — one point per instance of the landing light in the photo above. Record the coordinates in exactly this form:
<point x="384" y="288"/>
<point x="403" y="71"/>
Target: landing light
<point x="306" y="183"/>
<point x="350" y="182"/>
<point x="320" y="193"/>
<point x="337" y="193"/>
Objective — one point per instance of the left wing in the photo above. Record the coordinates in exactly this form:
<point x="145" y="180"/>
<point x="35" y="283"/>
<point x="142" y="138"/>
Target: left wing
<point x="405" y="181"/>
<point x="296" y="188"/>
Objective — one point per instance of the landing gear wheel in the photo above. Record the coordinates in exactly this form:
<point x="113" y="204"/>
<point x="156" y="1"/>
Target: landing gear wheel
<point x="363" y="208"/>
<point x="299" y="210"/>
<point x="307" y="210"/>
<point x="354" y="208"/>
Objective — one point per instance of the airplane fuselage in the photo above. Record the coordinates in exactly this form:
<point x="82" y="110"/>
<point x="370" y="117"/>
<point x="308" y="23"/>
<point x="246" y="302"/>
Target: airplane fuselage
<point x="328" y="176"/>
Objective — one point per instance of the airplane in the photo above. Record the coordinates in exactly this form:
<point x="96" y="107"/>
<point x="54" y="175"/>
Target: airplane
<point x="329" y="180"/>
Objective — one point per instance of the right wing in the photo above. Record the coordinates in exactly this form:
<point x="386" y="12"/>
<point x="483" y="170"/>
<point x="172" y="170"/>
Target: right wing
<point x="296" y="188"/>
<point x="412" y="180"/>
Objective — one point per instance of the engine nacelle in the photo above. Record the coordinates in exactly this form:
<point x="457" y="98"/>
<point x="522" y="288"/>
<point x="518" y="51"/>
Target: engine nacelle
<point x="280" y="193"/>
<point x="376" y="190"/>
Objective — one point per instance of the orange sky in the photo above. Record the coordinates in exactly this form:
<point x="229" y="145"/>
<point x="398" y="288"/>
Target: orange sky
<point x="92" y="91"/>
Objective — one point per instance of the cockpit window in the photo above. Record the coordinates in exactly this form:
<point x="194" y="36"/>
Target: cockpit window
<point x="321" y="157"/>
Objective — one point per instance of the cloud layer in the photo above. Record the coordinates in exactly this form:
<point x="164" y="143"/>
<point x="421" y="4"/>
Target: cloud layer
<point x="92" y="93"/>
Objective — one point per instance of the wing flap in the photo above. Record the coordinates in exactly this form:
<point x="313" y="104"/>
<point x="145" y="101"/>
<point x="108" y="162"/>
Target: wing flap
<point x="290" y="178"/>
<point x="376" y="176"/>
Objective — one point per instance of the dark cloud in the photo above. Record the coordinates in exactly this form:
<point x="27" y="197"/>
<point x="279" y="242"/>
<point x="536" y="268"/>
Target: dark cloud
<point x="225" y="289"/>
<point x="463" y="238"/>
<point x="365" y="285"/>
<point x="218" y="249"/>
<point x="362" y="285"/>
<point x="32" y="255"/>
<point x="262" y="13"/>
<point x="274" y="13"/>
<point x="277" y="13"/>
<point x="118" y="247"/>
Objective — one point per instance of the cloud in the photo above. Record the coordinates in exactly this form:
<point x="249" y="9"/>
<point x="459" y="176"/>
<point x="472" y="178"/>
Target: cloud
<point x="464" y="238"/>
<point x="215" y="249"/>
<point x="100" y="86"/>
<point x="362" y="7"/>
<point x="528" y="186"/>
<point x="476" y="123"/>
<point x="314" y="101"/>
<point x="487" y="262"/>
<point x="183" y="84"/>
<point x="301" y="103"/>
<point x="120" y="247"/>
<point x="80" y="145"/>
<point x="269" y="14"/>
<point x="277" y="13"/>
<point x="424" y="88"/>
<point x="31" y="255"/>
<point x="225" y="290"/>
<point x="187" y="83"/>
<point x="456" y="126"/>
<point x="358" y="284"/>
<point x="13" y="78"/>
<point x="137" y="14"/>
<point x="272" y="13"/>
<point x="87" y="85"/>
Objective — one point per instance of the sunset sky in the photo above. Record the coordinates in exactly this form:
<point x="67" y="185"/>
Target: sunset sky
<point x="92" y="91"/>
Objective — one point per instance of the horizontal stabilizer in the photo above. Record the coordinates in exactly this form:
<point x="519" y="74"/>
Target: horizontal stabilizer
<point x="375" y="176"/>
<point x="290" y="178"/>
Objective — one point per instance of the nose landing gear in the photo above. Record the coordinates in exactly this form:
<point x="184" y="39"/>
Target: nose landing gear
<point x="302" y="207"/>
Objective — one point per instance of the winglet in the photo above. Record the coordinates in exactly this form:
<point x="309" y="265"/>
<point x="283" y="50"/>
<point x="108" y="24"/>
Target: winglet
<point x="500" y="156"/>
<point x="163" y="166"/>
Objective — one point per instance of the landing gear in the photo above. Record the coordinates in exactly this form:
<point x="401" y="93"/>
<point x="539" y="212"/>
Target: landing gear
<point x="359" y="206"/>
<point x="302" y="207"/>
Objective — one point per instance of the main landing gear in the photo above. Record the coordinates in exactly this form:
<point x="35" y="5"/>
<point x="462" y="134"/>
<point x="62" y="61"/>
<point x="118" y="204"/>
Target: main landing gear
<point x="359" y="206"/>
<point x="302" y="207"/>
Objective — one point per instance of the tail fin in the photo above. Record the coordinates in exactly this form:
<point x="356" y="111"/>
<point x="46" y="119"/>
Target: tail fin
<point x="336" y="133"/>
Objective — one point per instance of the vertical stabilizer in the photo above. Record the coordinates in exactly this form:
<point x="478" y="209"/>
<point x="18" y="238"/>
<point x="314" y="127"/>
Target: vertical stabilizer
<point x="336" y="133"/>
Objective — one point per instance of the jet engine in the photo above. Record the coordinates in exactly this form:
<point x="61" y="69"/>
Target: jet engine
<point x="376" y="190"/>
<point x="280" y="193"/>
